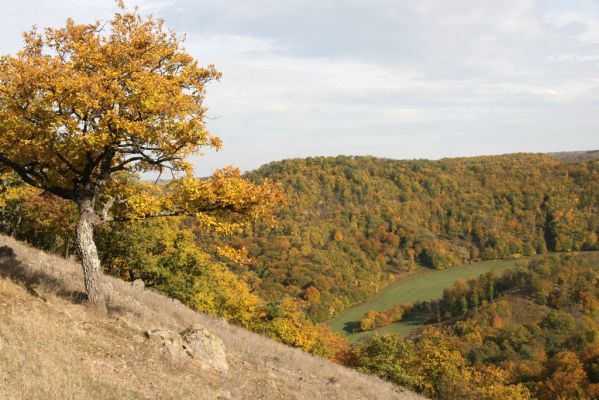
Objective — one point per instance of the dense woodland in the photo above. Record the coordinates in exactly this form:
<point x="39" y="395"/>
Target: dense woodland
<point x="532" y="333"/>
<point x="352" y="224"/>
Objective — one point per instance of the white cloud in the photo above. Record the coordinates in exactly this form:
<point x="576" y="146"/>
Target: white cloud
<point x="581" y="25"/>
<point x="430" y="78"/>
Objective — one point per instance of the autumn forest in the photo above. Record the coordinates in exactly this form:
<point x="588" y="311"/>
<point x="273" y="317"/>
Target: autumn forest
<point x="97" y="123"/>
<point x="349" y="227"/>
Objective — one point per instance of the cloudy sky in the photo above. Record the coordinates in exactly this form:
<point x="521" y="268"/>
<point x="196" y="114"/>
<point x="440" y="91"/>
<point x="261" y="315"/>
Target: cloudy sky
<point x="390" y="78"/>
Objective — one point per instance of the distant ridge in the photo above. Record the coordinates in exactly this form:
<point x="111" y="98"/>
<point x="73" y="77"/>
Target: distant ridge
<point x="575" y="156"/>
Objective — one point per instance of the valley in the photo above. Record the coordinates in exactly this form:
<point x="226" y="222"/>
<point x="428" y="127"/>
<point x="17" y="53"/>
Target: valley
<point x="407" y="206"/>
<point x="357" y="235"/>
<point x="423" y="285"/>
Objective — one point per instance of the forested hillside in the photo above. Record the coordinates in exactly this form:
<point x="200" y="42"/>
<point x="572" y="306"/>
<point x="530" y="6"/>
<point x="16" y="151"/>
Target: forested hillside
<point x="351" y="224"/>
<point x="532" y="332"/>
<point x="348" y="228"/>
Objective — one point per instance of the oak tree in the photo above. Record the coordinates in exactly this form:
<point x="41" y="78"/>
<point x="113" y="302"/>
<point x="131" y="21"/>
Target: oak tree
<point x="85" y="107"/>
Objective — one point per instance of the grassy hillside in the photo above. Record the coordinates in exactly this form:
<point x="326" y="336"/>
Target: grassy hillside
<point x="352" y="225"/>
<point x="51" y="348"/>
<point x="426" y="285"/>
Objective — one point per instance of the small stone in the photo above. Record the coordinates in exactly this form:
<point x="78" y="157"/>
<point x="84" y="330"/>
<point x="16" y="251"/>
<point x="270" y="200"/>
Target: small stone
<point x="138" y="284"/>
<point x="176" y="302"/>
<point x="170" y="341"/>
<point x="138" y="339"/>
<point x="224" y="395"/>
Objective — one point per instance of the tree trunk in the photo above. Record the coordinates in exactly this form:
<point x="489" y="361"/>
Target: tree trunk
<point x="92" y="271"/>
<point x="17" y="224"/>
<point x="67" y="245"/>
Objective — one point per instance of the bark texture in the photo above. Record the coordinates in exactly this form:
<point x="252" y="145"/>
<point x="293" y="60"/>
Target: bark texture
<point x="92" y="271"/>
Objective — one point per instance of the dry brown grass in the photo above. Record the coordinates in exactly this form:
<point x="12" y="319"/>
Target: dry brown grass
<point x="52" y="348"/>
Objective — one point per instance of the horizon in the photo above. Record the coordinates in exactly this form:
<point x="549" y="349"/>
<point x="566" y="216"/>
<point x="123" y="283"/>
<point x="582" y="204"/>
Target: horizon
<point x="153" y="177"/>
<point x="399" y="81"/>
<point x="549" y="153"/>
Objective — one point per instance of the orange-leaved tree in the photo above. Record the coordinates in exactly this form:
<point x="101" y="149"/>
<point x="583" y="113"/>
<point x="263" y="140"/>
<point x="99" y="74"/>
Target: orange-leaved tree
<point x="84" y="108"/>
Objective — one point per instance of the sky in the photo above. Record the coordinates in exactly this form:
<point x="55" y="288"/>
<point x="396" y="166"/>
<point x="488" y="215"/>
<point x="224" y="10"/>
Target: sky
<point x="388" y="78"/>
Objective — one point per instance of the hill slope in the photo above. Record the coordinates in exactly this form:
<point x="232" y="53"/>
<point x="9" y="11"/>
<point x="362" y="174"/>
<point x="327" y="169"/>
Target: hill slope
<point x="424" y="286"/>
<point x="352" y="225"/>
<point x="532" y="330"/>
<point x="51" y="348"/>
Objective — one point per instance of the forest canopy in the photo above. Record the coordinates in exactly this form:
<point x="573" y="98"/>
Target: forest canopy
<point x="352" y="224"/>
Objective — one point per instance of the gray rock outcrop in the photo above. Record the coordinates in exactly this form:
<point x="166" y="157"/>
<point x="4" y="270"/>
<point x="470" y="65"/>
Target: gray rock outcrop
<point x="206" y="347"/>
<point x="195" y="342"/>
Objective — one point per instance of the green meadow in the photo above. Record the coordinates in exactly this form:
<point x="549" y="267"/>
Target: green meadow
<point x="424" y="285"/>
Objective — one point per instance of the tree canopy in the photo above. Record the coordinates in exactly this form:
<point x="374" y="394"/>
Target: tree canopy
<point x="85" y="107"/>
<point x="79" y="103"/>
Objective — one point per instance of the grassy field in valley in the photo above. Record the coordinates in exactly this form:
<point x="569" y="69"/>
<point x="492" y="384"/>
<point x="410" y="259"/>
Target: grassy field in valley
<point x="426" y="285"/>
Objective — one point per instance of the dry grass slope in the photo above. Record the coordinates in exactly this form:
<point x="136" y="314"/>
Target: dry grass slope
<point x="51" y="348"/>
